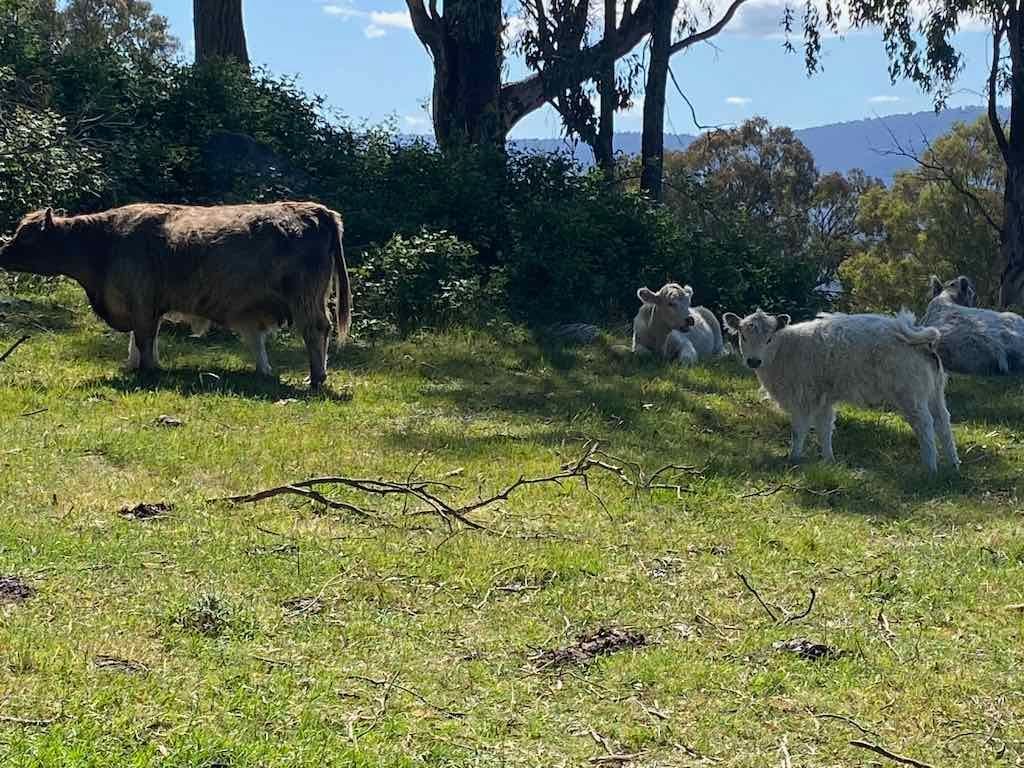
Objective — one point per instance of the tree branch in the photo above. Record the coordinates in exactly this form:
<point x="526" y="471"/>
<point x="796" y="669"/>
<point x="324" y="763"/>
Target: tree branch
<point x="523" y="97"/>
<point x="993" y="113"/>
<point x="710" y="32"/>
<point x="426" y="24"/>
<point x="944" y="175"/>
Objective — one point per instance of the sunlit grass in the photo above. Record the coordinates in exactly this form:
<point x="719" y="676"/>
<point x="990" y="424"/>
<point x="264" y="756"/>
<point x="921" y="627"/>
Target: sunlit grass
<point x="916" y="579"/>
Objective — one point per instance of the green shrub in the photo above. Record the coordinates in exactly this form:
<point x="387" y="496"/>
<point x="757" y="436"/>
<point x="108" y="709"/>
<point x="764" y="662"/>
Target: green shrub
<point x="431" y="279"/>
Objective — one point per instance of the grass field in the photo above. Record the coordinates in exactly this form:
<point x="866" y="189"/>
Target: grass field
<point x="281" y="633"/>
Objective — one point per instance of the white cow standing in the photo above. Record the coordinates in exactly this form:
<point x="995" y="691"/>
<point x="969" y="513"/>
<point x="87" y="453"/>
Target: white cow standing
<point x="668" y="326"/>
<point x="806" y="368"/>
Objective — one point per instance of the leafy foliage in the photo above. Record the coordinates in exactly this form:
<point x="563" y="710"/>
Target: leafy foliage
<point x="431" y="279"/>
<point x="933" y="220"/>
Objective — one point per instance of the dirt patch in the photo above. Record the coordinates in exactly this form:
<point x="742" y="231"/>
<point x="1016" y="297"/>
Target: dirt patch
<point x="116" y="664"/>
<point x="303" y="605"/>
<point x="13" y="589"/>
<point x="807" y="649"/>
<point x="605" y="641"/>
<point x="145" y="511"/>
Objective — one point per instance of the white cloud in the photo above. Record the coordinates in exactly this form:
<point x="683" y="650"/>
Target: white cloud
<point x="738" y="101"/>
<point x="396" y="19"/>
<point x="379" y="21"/>
<point x="883" y="99"/>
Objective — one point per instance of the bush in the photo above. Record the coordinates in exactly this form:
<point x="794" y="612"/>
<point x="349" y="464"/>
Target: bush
<point x="429" y="280"/>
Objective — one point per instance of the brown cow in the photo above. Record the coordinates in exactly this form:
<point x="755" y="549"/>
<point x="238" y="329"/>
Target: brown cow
<point x="250" y="268"/>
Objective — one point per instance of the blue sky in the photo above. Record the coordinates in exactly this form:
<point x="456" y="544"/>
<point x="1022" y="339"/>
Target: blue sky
<point x="364" y="58"/>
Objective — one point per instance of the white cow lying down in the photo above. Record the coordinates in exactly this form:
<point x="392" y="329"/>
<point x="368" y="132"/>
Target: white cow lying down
<point x="807" y="368"/>
<point x="668" y="326"/>
<point x="974" y="340"/>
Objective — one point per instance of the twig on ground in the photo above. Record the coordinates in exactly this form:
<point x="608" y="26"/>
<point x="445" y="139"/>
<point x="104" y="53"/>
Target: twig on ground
<point x="28" y="721"/>
<point x="787" y="761"/>
<point x="13" y="347"/>
<point x="806" y="612"/>
<point x="755" y="593"/>
<point x="896" y="758"/>
<point x="845" y="719"/>
<point x="792" y="487"/>
<point x="392" y="683"/>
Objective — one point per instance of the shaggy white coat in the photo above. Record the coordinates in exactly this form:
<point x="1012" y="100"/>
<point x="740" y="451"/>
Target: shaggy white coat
<point x="979" y="341"/>
<point x="870" y="360"/>
<point x="667" y="325"/>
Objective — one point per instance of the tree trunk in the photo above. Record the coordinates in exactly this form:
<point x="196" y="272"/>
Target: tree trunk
<point x="219" y="31"/>
<point x="652" y="149"/>
<point x="1011" y="284"/>
<point x="604" y="149"/>
<point x="467" y="75"/>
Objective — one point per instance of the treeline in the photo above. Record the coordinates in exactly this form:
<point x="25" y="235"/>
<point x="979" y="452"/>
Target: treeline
<point x="98" y="110"/>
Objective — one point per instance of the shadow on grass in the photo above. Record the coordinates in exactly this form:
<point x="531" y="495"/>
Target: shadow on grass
<point x="551" y="395"/>
<point x="18" y="315"/>
<point x="654" y="414"/>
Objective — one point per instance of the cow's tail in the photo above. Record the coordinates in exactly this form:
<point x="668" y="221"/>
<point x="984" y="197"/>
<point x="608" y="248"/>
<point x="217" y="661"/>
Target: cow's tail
<point x="917" y="335"/>
<point x="921" y="337"/>
<point x="343" y="289"/>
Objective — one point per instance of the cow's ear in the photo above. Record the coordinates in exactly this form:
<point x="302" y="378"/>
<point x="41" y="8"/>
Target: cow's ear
<point x="47" y="219"/>
<point x="647" y="296"/>
<point x="731" y="323"/>
<point x="936" y="285"/>
<point x="688" y="291"/>
<point x="781" y="321"/>
<point x="965" y="284"/>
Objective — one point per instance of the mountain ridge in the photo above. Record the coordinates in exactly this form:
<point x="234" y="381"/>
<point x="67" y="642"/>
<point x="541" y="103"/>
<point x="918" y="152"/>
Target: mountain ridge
<point x="840" y="146"/>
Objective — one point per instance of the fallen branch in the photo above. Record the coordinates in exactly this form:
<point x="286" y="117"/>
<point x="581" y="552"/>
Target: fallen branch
<point x="429" y="492"/>
<point x="13" y="347"/>
<point x="896" y="758"/>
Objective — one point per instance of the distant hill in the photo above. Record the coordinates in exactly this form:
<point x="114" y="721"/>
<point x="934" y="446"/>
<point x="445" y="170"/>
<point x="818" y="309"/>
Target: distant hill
<point x="836" y="147"/>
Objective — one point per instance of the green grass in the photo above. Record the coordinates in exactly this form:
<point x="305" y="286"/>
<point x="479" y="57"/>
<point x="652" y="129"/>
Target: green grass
<point x="915" y="578"/>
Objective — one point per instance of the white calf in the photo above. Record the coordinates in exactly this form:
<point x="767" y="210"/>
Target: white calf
<point x="668" y="326"/>
<point x="807" y="368"/>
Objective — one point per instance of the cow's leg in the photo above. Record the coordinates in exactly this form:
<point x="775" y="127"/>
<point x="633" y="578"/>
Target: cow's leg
<point x="133" y="352"/>
<point x="940" y="416"/>
<point x="824" y="424"/>
<point x="255" y="340"/>
<point x="920" y="418"/>
<point x="316" y="332"/>
<point x="801" y="426"/>
<point x="144" y="333"/>
<point x="135" y="355"/>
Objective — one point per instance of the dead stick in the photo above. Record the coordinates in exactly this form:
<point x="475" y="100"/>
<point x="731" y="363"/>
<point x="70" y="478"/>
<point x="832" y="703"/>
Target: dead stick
<point x="756" y="594"/>
<point x="13" y="347"/>
<point x="807" y="611"/>
<point x="880" y="750"/>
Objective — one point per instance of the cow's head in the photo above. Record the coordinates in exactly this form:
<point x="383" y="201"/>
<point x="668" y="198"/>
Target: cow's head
<point x="756" y="334"/>
<point x="32" y="247"/>
<point x="671" y="304"/>
<point x="960" y="290"/>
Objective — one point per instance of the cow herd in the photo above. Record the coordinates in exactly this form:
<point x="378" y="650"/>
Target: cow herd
<point x="255" y="268"/>
<point x="864" y="359"/>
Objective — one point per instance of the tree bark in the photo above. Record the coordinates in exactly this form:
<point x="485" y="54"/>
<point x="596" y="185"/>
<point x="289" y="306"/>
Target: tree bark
<point x="1011" y="284"/>
<point x="604" y="149"/>
<point x="652" y="148"/>
<point x="219" y="31"/>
